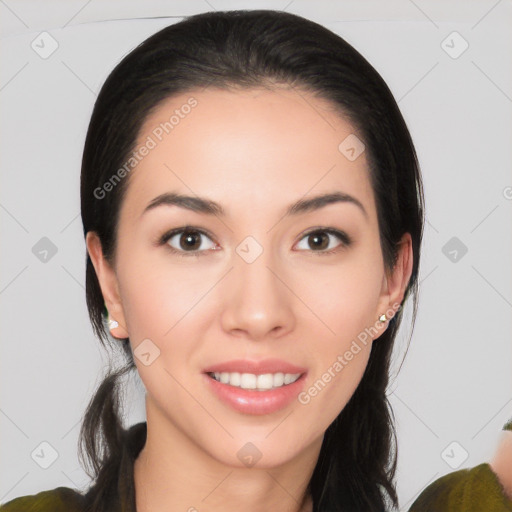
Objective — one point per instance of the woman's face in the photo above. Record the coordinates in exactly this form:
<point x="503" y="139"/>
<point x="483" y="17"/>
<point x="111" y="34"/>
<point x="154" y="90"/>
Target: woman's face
<point x="250" y="283"/>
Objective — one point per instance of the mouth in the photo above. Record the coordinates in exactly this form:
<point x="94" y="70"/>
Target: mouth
<point x="256" y="387"/>
<point x="252" y="381"/>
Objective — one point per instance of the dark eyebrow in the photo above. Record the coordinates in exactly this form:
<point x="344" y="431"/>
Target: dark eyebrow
<point x="208" y="207"/>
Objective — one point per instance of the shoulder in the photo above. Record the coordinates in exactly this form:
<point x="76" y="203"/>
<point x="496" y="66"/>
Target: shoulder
<point x="477" y="488"/>
<point x="61" y="499"/>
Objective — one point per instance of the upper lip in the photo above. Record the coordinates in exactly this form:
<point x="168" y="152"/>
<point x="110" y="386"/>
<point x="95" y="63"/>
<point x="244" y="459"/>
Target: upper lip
<point x="256" y="367"/>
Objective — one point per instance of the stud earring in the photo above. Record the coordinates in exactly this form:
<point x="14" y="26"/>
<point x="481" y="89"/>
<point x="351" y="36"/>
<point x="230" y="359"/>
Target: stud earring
<point x="382" y="318"/>
<point x="112" y="324"/>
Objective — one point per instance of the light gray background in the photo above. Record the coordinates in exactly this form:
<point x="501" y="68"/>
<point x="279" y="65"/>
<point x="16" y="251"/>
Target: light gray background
<point x="455" y="384"/>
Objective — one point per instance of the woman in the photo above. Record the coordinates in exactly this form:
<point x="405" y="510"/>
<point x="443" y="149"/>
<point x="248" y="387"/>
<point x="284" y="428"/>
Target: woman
<point x="253" y="213"/>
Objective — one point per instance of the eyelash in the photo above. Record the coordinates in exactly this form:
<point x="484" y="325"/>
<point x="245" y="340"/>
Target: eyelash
<point x="345" y="240"/>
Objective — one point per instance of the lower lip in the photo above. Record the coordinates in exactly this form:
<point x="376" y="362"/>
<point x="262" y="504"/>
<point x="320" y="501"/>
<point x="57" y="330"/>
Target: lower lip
<point x="251" y="401"/>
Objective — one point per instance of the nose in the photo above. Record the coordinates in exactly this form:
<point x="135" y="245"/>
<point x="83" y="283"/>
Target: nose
<point x="258" y="301"/>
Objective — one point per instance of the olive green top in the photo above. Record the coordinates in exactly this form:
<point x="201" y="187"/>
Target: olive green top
<point x="467" y="490"/>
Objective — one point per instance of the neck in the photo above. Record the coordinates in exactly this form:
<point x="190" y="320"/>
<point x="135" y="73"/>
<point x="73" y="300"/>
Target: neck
<point x="173" y="473"/>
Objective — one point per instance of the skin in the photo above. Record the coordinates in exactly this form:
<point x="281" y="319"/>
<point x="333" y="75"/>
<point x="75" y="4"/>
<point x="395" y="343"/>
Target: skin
<point x="255" y="152"/>
<point x="501" y="462"/>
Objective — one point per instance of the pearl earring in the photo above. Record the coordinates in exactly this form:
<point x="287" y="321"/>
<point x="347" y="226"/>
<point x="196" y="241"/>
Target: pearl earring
<point x="112" y="324"/>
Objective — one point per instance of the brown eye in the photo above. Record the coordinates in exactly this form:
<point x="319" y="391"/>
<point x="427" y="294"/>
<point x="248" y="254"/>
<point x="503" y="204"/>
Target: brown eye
<point x="187" y="240"/>
<point x="319" y="240"/>
<point x="190" y="240"/>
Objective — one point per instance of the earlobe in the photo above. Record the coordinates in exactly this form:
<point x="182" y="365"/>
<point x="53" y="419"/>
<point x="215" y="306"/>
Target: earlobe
<point x="116" y="330"/>
<point x="108" y="283"/>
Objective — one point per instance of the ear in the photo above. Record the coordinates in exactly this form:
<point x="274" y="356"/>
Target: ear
<point x="109" y="284"/>
<point x="396" y="280"/>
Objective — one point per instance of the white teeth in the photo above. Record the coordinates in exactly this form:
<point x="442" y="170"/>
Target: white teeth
<point x="265" y="381"/>
<point x="262" y="382"/>
<point x="248" y="381"/>
<point x="288" y="378"/>
<point x="278" y="379"/>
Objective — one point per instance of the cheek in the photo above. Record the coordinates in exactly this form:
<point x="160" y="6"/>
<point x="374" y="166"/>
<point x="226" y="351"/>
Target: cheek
<point x="342" y="298"/>
<point x="157" y="293"/>
<point x="165" y="304"/>
<point x="344" y="302"/>
<point x="330" y="388"/>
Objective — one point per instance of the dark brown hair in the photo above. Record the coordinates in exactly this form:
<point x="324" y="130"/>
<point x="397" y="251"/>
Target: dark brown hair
<point x="357" y="461"/>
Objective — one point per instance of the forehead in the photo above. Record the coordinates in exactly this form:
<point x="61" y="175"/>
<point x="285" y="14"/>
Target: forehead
<point x="259" y="146"/>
